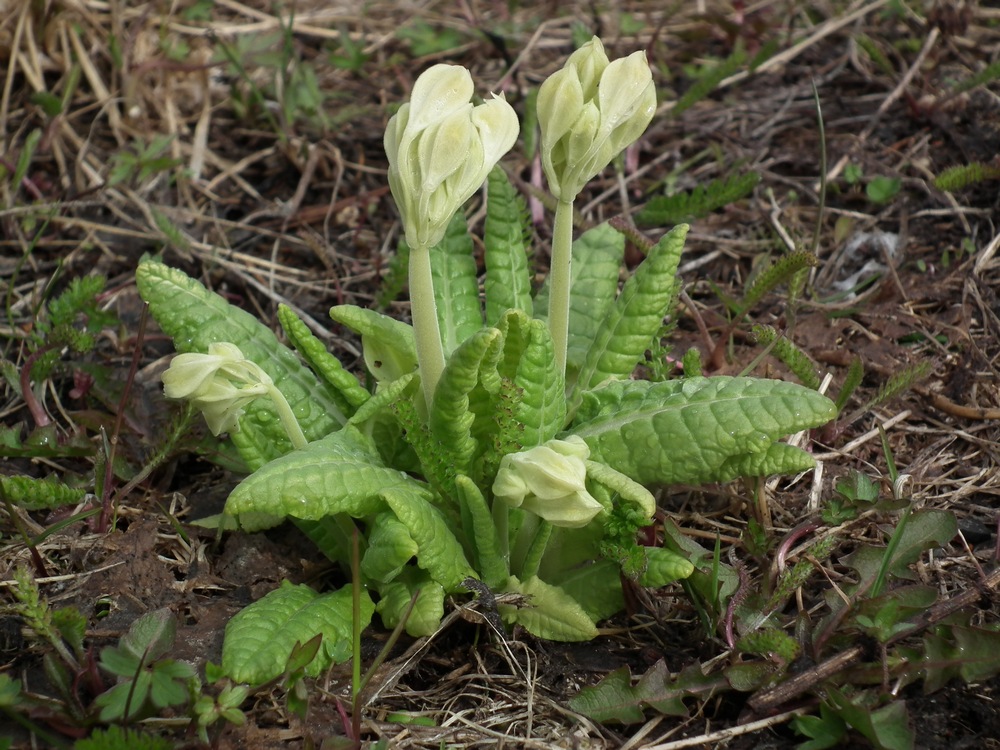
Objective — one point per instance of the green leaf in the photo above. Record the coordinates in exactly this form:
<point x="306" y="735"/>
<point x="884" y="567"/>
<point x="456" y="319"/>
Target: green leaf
<point x="664" y="566"/>
<point x="615" y="699"/>
<point x="456" y="287"/>
<point x="491" y="561"/>
<point x="338" y="474"/>
<point x="887" y="728"/>
<point x="440" y="553"/>
<point x="596" y="585"/>
<point x="550" y="613"/>
<point x="631" y="325"/>
<point x="528" y="363"/>
<point x="825" y="730"/>
<point x="390" y="547"/>
<point x="151" y="636"/>
<point x="195" y="317"/>
<point x="883" y="189"/>
<point x="387" y="344"/>
<point x="597" y="261"/>
<point x="31" y="493"/>
<point x="349" y="392"/>
<point x="473" y="364"/>
<point x="696" y="429"/>
<point x="508" y="282"/>
<point x="260" y="639"/>
<point x="425" y="618"/>
<point x="666" y="210"/>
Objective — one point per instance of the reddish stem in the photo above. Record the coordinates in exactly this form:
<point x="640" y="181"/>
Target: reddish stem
<point x="38" y="413"/>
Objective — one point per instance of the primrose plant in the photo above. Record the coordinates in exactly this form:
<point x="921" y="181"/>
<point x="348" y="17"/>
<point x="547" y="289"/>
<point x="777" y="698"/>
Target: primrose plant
<point x="506" y="441"/>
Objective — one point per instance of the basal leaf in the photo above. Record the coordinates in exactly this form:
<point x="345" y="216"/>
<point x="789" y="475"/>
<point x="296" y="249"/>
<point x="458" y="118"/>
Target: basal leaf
<point x="550" y="613"/>
<point x="194" y="317"/>
<point x="664" y="566"/>
<point x="390" y="547"/>
<point x="491" y="558"/>
<point x="596" y="586"/>
<point x="473" y="364"/>
<point x="440" y="552"/>
<point x="597" y="261"/>
<point x="335" y="475"/>
<point x="395" y="598"/>
<point x="616" y="699"/>
<point x="387" y="344"/>
<point x="508" y="283"/>
<point x="456" y="286"/>
<point x="697" y="429"/>
<point x="630" y="326"/>
<point x="260" y="639"/>
<point x="346" y="388"/>
<point x="528" y="363"/>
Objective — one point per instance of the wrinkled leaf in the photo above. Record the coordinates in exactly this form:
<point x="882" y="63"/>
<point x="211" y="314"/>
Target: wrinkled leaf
<point x="508" y="283"/>
<point x="387" y="344"/>
<point x="470" y="366"/>
<point x="528" y="362"/>
<point x="390" y="547"/>
<point x="425" y="617"/>
<point x="335" y="475"/>
<point x="697" y="429"/>
<point x="631" y="324"/>
<point x="550" y="613"/>
<point x="194" y="317"/>
<point x="456" y="287"/>
<point x="260" y="639"/>
<point x="346" y="388"/>
<point x="440" y="553"/>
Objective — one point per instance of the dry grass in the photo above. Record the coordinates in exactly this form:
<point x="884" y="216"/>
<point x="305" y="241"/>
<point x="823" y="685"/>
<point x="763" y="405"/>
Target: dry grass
<point x="272" y="200"/>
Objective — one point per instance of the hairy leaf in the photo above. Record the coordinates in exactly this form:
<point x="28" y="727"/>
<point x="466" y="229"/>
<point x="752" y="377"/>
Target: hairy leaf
<point x="456" y="287"/>
<point x="338" y="474"/>
<point x="473" y="364"/>
<point x="440" y="553"/>
<point x="664" y="566"/>
<point x="387" y="344"/>
<point x="550" y="613"/>
<point x="260" y="639"/>
<point x="630" y="326"/>
<point x="528" y="363"/>
<point x="195" y="317"/>
<point x="697" y="429"/>
<point x="491" y="561"/>
<point x="425" y="618"/>
<point x="508" y="283"/>
<point x="350" y="393"/>
<point x="31" y="493"/>
<point x="390" y="547"/>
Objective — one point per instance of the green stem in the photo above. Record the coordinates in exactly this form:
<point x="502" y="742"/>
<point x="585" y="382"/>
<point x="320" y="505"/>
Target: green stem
<point x="501" y="513"/>
<point x="288" y="420"/>
<point x="423" y="308"/>
<point x="559" y="276"/>
<point x="533" y="558"/>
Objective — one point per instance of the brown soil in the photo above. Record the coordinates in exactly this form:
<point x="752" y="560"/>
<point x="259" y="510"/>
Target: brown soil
<point x="267" y="207"/>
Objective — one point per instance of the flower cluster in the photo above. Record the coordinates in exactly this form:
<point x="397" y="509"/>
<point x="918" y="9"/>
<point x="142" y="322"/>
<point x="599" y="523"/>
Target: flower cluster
<point x="441" y="149"/>
<point x="589" y="111"/>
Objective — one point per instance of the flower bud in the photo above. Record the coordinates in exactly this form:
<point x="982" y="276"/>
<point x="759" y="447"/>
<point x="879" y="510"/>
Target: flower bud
<point x="441" y="149"/>
<point x="589" y="112"/>
<point x="220" y="384"/>
<point x="549" y="481"/>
